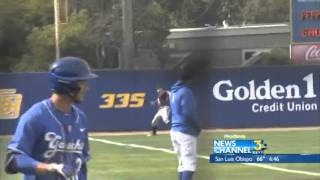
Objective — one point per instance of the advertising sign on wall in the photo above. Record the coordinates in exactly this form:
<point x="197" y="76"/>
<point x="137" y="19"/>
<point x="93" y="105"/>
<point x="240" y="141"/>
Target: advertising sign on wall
<point x="301" y="53"/>
<point x="263" y="96"/>
<point x="305" y="21"/>
<point x="226" y="98"/>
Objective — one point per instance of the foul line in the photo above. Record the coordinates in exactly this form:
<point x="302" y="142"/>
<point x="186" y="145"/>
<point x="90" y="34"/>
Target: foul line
<point x="203" y="157"/>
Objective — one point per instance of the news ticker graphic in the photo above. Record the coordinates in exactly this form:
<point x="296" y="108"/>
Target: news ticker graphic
<point x="253" y="151"/>
<point x="265" y="158"/>
<point x="239" y="146"/>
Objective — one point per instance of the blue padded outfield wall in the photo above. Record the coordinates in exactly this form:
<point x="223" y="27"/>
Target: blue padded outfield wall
<point x="227" y="98"/>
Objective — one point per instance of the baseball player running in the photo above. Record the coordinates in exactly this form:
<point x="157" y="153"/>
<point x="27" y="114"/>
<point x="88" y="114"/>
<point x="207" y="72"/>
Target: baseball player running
<point x="163" y="113"/>
<point x="51" y="141"/>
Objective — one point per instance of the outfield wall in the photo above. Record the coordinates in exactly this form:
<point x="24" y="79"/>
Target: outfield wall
<point x="227" y="98"/>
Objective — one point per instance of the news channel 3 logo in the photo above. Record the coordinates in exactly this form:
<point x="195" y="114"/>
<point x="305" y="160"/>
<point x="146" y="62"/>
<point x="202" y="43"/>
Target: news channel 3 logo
<point x="238" y="144"/>
<point x="10" y="103"/>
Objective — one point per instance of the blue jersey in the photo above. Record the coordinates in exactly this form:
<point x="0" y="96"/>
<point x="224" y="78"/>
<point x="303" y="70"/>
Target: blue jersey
<point x="184" y="110"/>
<point x="48" y="135"/>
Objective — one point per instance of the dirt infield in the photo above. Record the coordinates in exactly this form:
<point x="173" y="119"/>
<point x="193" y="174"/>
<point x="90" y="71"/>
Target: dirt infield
<point x="207" y="130"/>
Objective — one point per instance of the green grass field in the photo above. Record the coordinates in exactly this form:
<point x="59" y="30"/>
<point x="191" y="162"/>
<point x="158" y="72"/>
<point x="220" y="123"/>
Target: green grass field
<point x="128" y="162"/>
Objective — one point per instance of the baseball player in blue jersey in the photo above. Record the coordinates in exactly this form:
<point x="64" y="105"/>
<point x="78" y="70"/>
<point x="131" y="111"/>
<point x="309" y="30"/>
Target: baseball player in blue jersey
<point x="51" y="140"/>
<point x="185" y="126"/>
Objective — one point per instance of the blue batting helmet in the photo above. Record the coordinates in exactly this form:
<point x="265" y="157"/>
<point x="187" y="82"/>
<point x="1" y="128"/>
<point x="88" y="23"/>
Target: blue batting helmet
<point x="66" y="72"/>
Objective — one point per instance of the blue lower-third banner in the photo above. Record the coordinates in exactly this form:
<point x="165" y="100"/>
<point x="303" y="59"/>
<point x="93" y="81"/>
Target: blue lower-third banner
<point x="264" y="158"/>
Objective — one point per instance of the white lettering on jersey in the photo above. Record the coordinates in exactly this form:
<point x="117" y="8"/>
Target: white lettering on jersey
<point x="56" y="144"/>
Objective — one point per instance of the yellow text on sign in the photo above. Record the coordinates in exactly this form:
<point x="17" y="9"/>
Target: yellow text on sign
<point x="10" y="103"/>
<point x="122" y="100"/>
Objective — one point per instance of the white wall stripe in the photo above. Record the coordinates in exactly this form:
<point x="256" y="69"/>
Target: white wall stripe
<point x="265" y="166"/>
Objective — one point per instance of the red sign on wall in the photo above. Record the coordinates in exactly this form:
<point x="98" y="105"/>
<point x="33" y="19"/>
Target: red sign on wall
<point x="302" y="53"/>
